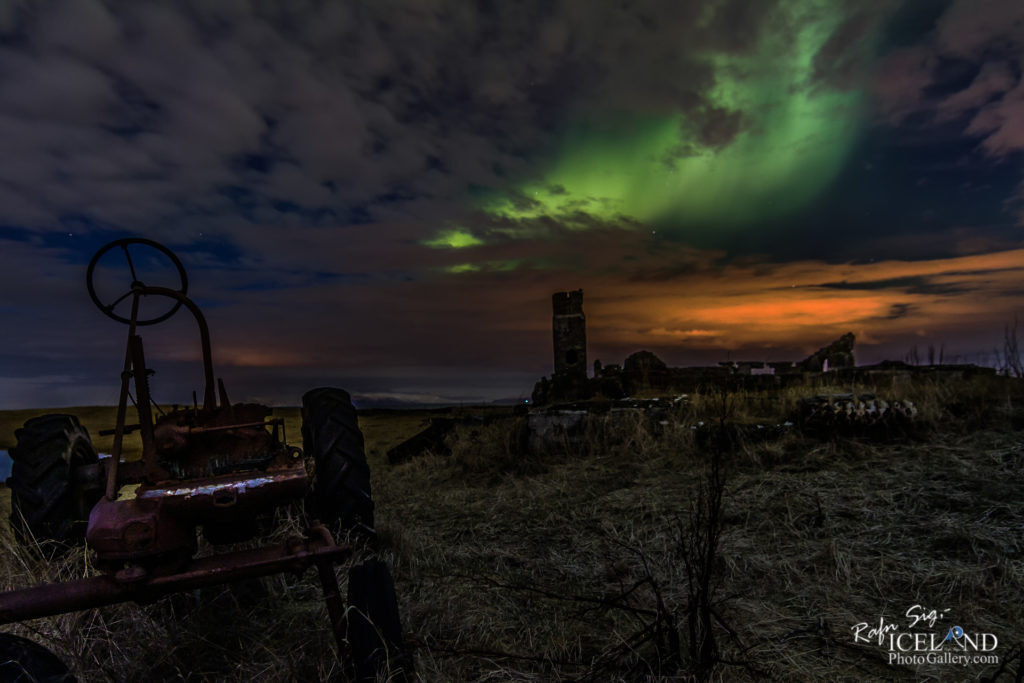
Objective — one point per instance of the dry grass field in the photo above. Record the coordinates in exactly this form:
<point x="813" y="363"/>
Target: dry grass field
<point x="606" y="558"/>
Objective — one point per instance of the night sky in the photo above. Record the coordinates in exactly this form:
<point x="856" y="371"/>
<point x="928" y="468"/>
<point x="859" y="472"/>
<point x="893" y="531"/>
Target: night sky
<point x="383" y="195"/>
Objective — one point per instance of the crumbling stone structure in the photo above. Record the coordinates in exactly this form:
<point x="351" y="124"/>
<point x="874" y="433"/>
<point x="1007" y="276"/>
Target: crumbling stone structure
<point x="644" y="373"/>
<point x="569" y="335"/>
<point x="569" y="328"/>
<point x="836" y="356"/>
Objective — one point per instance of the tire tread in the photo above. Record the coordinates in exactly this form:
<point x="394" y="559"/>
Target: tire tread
<point x="330" y="434"/>
<point x="42" y="505"/>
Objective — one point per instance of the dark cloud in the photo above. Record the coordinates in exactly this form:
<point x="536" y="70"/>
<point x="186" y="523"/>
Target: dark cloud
<point x="982" y="41"/>
<point x="153" y="116"/>
<point x="845" y="58"/>
<point x="736" y="25"/>
<point x="920" y="243"/>
<point x="670" y="272"/>
<point x="707" y="128"/>
<point x="144" y="114"/>
<point x="911" y="285"/>
<point x="897" y="311"/>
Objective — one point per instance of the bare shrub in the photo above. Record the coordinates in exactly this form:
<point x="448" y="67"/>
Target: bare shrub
<point x="700" y="540"/>
<point x="1010" y="362"/>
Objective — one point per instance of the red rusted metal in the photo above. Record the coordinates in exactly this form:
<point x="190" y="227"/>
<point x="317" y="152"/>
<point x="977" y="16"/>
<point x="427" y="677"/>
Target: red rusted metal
<point x="217" y="468"/>
<point x="209" y="397"/>
<point x="159" y="521"/>
<point x="96" y="473"/>
<point x="122" y="407"/>
<point x="198" y="499"/>
<point x="143" y="403"/>
<point x="335" y="605"/>
<point x="137" y="531"/>
<point x="201" y="430"/>
<point x="295" y="555"/>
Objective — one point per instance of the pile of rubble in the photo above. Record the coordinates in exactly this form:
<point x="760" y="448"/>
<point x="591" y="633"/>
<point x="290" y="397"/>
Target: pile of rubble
<point x="842" y="413"/>
<point x="570" y="426"/>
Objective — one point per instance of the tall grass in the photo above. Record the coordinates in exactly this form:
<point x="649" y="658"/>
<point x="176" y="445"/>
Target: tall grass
<point x="274" y="628"/>
<point x="572" y="567"/>
<point x="570" y="563"/>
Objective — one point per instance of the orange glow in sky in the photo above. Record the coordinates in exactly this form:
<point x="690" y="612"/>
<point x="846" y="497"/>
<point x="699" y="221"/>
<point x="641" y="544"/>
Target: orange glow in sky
<point x="805" y="304"/>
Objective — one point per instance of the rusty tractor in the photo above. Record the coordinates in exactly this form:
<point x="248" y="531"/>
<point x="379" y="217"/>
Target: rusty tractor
<point x="215" y="466"/>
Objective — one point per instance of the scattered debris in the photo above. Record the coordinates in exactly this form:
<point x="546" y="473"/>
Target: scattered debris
<point x="841" y="413"/>
<point x="431" y="439"/>
<point x="434" y="439"/>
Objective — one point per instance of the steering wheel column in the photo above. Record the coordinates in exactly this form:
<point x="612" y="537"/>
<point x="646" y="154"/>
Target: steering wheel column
<point x="134" y="363"/>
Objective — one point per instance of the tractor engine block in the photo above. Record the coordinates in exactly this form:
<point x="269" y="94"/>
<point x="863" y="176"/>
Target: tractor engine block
<point x="193" y="444"/>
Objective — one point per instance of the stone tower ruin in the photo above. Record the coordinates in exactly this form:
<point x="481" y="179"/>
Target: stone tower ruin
<point x="569" y="327"/>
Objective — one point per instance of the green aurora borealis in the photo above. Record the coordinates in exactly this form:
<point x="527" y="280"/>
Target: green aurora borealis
<point x="789" y="137"/>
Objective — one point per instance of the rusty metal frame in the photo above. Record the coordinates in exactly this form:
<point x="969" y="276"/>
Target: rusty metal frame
<point x="145" y="542"/>
<point x="296" y="555"/>
<point x="134" y="366"/>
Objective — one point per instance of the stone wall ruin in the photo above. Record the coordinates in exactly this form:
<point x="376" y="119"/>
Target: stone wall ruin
<point x="643" y="373"/>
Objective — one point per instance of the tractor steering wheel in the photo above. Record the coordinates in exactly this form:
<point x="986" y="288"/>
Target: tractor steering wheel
<point x="137" y="286"/>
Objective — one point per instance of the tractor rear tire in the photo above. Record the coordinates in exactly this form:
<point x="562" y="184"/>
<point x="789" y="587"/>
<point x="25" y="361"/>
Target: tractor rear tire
<point x="374" y="629"/>
<point x="48" y="508"/>
<point x="330" y="434"/>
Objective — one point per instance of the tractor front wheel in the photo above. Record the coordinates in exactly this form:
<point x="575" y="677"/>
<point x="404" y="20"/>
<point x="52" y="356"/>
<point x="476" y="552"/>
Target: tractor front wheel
<point x="330" y="435"/>
<point x="24" y="660"/>
<point x="373" y="626"/>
